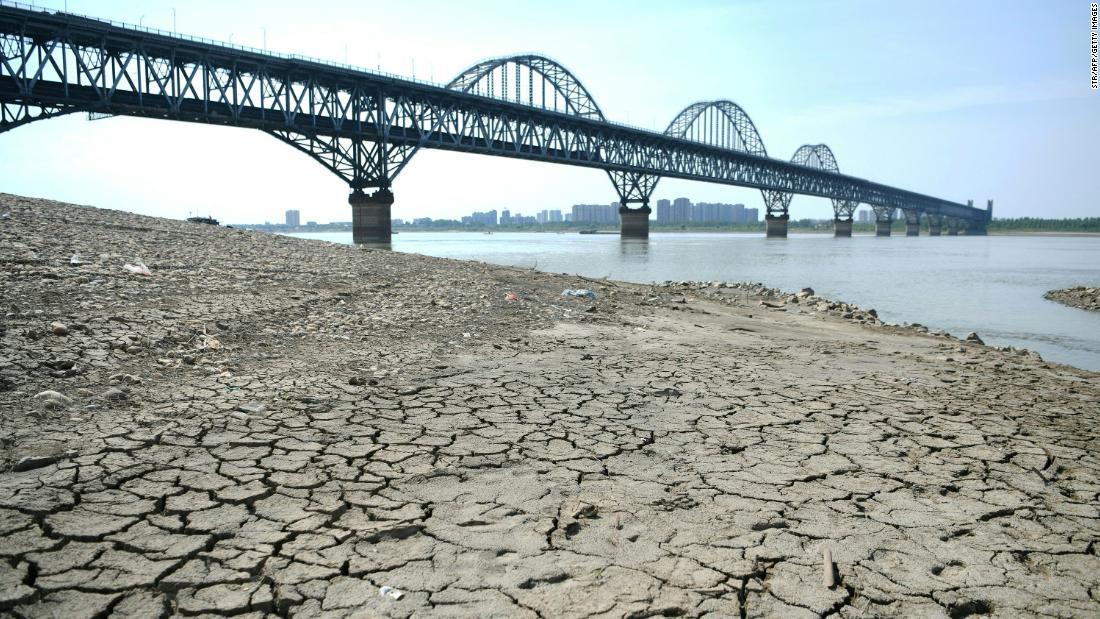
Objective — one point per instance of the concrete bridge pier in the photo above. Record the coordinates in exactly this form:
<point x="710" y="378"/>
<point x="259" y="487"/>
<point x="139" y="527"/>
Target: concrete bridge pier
<point x="634" y="222"/>
<point x="775" y="226"/>
<point x="935" y="225"/>
<point x="952" y="227"/>
<point x="842" y="227"/>
<point x="912" y="222"/>
<point x="884" y="219"/>
<point x="370" y="216"/>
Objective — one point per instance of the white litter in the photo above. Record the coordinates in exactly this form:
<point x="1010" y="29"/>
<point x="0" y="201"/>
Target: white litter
<point x="137" y="269"/>
<point x="391" y="592"/>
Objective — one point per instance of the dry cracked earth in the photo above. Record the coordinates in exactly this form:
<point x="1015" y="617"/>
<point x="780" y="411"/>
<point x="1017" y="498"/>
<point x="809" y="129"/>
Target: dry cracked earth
<point x="266" y="426"/>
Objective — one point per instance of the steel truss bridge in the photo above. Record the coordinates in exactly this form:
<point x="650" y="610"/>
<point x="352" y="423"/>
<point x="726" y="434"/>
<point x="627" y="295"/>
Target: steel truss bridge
<point x="365" y="126"/>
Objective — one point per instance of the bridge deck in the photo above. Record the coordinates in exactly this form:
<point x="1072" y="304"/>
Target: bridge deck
<point x="59" y="63"/>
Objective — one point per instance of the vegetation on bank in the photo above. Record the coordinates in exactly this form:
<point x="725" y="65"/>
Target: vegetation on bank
<point x="1034" y="224"/>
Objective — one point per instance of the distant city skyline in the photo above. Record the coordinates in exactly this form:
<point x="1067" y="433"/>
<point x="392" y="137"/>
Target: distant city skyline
<point x="965" y="117"/>
<point x="679" y="210"/>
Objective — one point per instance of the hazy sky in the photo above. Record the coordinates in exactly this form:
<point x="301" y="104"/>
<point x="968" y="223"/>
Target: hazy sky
<point x="954" y="99"/>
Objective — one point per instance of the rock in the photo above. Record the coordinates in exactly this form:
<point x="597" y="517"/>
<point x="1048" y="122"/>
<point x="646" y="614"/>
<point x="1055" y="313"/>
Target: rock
<point x="52" y="400"/>
<point x="252" y="408"/>
<point x="28" y="463"/>
<point x="115" y="395"/>
<point x="1082" y="297"/>
<point x="668" y="392"/>
<point x="973" y="337"/>
<point x="58" y="328"/>
<point x="806" y="292"/>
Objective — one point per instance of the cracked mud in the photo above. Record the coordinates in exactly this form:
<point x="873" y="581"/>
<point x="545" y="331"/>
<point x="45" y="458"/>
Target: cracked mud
<point x="270" y="426"/>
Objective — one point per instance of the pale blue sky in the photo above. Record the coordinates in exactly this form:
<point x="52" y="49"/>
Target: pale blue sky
<point x="955" y="99"/>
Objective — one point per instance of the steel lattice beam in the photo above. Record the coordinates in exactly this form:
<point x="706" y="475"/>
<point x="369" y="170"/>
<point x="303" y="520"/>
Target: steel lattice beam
<point x="364" y="126"/>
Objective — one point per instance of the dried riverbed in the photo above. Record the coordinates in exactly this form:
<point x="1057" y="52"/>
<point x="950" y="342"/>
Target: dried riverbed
<point x="271" y="426"/>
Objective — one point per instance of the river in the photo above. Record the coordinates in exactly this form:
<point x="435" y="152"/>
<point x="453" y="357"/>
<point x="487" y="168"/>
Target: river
<point x="992" y="285"/>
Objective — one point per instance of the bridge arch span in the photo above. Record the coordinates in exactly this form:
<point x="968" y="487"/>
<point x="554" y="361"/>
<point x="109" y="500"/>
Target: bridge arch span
<point x="725" y="124"/>
<point x="720" y="123"/>
<point x="535" y="80"/>
<point x="539" y="81"/>
<point x="821" y="157"/>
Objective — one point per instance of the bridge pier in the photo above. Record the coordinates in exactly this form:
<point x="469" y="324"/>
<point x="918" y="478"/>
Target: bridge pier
<point x="935" y="224"/>
<point x="776" y="226"/>
<point x="882" y="227"/>
<point x="634" y="222"/>
<point x="370" y="216"/>
<point x="912" y="222"/>
<point x="842" y="227"/>
<point x="952" y="227"/>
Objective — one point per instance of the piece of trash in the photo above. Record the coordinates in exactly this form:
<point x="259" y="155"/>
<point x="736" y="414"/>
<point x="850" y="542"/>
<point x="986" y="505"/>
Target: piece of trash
<point x="579" y="292"/>
<point x="511" y="296"/>
<point x="387" y="591"/>
<point x="51" y="400"/>
<point x="75" y="260"/>
<point x="137" y="269"/>
<point x="827" y="577"/>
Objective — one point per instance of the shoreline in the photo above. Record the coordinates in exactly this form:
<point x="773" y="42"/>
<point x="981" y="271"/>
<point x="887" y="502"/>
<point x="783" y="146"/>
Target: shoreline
<point x="265" y="424"/>
<point x="794" y="231"/>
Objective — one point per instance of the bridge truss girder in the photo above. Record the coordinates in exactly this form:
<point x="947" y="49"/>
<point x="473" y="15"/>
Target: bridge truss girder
<point x="883" y="213"/>
<point x="13" y="115"/>
<point x="360" y="163"/>
<point x="58" y="62"/>
<point x="633" y="188"/>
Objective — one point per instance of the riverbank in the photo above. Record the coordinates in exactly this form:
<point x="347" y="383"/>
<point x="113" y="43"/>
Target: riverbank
<point x="862" y="230"/>
<point x="271" y="424"/>
<point x="1082" y="297"/>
